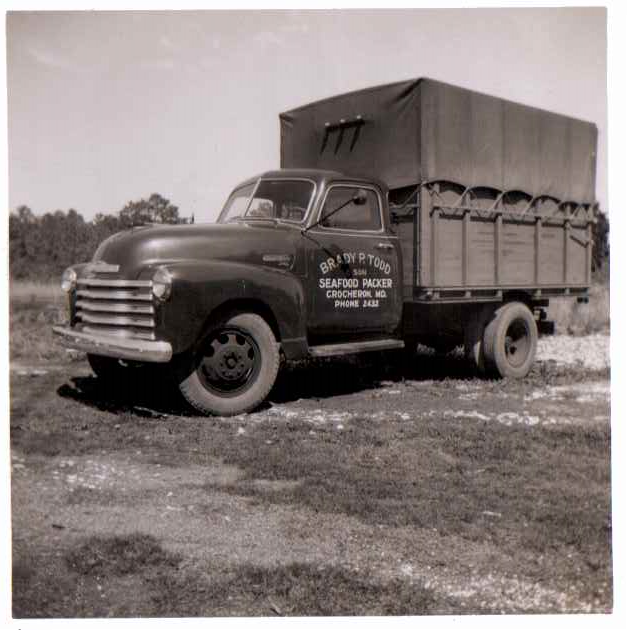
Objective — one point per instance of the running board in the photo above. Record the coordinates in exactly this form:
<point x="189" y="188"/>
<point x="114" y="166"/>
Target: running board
<point x="337" y="349"/>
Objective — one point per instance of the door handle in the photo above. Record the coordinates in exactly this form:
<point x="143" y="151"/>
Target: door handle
<point x="384" y="246"/>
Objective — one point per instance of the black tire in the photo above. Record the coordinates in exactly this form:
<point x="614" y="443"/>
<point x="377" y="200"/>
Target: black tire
<point x="510" y="341"/>
<point x="235" y="367"/>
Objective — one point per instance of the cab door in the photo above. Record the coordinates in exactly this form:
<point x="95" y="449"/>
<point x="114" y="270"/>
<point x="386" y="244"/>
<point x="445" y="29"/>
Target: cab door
<point x="354" y="265"/>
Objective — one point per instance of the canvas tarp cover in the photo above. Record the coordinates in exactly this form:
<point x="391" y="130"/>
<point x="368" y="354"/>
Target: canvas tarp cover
<point x="424" y="130"/>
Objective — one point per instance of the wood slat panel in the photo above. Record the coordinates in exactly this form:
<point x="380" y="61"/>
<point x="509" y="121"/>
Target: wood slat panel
<point x="481" y="262"/>
<point x="518" y="262"/>
<point x="449" y="252"/>
<point x="551" y="255"/>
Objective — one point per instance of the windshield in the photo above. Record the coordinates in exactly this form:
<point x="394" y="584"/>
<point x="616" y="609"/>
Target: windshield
<point x="283" y="199"/>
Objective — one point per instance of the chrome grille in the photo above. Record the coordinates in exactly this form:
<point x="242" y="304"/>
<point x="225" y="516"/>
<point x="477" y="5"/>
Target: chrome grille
<point x="115" y="307"/>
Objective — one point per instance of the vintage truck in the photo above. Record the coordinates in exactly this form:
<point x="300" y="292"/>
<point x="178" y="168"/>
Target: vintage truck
<point x="415" y="212"/>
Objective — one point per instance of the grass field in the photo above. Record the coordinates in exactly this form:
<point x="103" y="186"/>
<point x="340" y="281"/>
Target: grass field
<point x="30" y="292"/>
<point x="34" y="309"/>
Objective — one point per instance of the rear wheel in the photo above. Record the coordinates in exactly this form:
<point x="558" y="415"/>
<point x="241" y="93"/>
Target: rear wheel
<point x="510" y="341"/>
<point x="235" y="368"/>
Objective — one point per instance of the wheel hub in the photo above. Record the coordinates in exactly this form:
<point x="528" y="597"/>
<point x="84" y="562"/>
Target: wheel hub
<point x="230" y="361"/>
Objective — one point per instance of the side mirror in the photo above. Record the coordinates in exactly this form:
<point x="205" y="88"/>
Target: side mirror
<point x="360" y="197"/>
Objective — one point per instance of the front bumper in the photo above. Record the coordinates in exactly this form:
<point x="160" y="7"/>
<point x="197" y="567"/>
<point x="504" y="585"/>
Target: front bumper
<point x="111" y="346"/>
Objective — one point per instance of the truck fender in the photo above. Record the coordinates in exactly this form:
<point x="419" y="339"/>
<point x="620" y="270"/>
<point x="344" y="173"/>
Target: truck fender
<point x="202" y="288"/>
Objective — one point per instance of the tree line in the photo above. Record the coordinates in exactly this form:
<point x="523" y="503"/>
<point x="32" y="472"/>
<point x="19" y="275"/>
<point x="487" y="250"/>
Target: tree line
<point x="41" y="247"/>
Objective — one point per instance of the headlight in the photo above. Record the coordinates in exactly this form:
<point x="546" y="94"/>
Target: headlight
<point x="162" y="283"/>
<point x="68" y="280"/>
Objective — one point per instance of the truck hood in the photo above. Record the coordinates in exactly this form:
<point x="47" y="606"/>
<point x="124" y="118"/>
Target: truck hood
<point x="137" y="248"/>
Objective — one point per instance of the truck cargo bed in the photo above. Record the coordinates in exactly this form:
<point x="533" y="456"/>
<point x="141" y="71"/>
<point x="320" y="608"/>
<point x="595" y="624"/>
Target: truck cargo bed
<point x="463" y="244"/>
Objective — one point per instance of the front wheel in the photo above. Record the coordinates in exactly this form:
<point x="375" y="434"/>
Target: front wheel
<point x="235" y="368"/>
<point x="510" y="341"/>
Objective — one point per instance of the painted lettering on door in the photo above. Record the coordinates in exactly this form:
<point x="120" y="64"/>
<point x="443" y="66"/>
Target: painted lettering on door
<point x="355" y="280"/>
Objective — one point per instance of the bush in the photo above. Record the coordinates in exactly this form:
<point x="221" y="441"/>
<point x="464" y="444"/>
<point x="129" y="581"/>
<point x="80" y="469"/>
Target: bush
<point x="601" y="248"/>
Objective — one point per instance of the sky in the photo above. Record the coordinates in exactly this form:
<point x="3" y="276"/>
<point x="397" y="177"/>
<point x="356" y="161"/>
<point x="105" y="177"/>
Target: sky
<point x="105" y="108"/>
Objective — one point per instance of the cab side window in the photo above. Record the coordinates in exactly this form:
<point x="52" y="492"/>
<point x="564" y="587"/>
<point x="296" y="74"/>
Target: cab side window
<point x="366" y="217"/>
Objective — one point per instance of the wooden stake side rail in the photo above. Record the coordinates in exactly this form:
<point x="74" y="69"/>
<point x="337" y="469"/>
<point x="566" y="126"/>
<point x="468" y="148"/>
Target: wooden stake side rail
<point x="473" y="244"/>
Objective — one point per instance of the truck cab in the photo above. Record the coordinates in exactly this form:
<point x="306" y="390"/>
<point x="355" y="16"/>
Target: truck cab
<point x="342" y="247"/>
